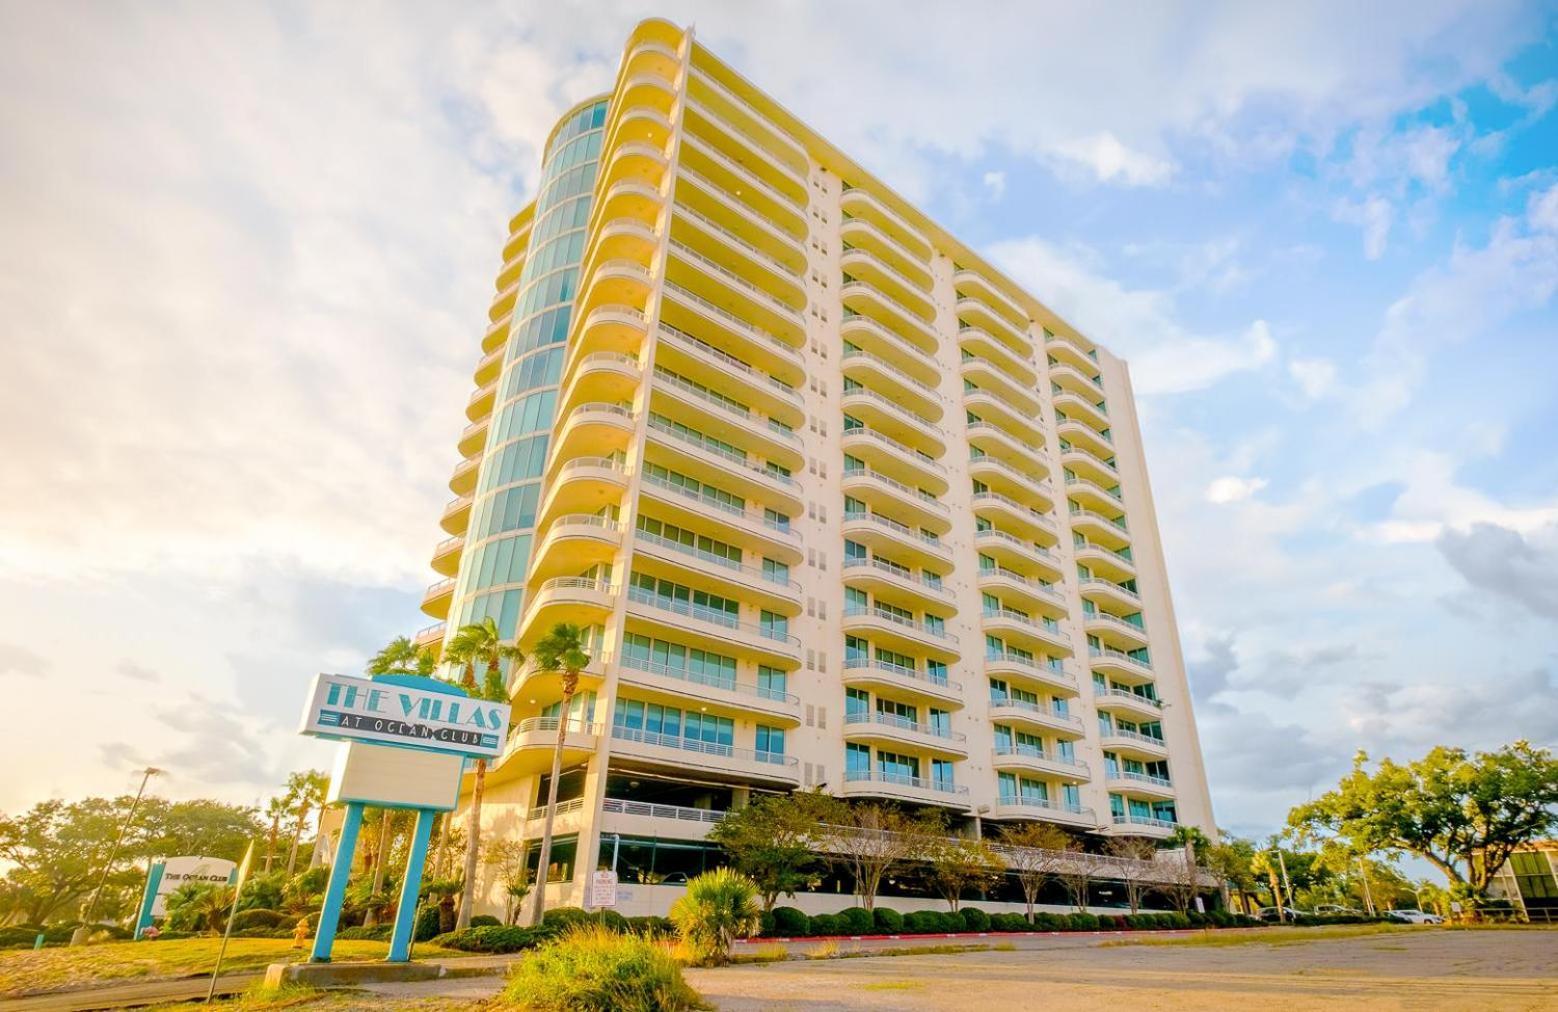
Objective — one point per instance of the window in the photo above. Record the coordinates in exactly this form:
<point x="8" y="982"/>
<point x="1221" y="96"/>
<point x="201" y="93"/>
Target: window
<point x="941" y="773"/>
<point x="891" y="764"/>
<point x="775" y="571"/>
<point x="857" y="758"/>
<point x="857" y="703"/>
<point x="773" y="625"/>
<point x="771" y="682"/>
<point x="770" y="741"/>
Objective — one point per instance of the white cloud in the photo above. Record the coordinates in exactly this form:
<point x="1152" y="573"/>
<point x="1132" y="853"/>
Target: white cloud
<point x="995" y="183"/>
<point x="1316" y="377"/>
<point x="1112" y="162"/>
<point x="1233" y="489"/>
<point x="1542" y="211"/>
<point x="1374" y="215"/>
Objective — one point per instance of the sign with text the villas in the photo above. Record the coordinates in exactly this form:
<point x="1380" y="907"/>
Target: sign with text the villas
<point x="359" y="709"/>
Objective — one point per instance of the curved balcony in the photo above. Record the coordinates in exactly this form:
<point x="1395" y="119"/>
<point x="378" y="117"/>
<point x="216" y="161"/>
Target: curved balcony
<point x="488" y="368"/>
<point x="993" y="378"/>
<point x="616" y="282"/>
<point x="1075" y="406"/>
<point x="1018" y="554"/>
<point x="645" y="90"/>
<point x="1134" y="744"/>
<point x="430" y="637"/>
<point x="1092" y="494"/>
<point x="593" y="428"/>
<point x="1022" y="630"/>
<point x="473" y="438"/>
<point x="1027" y="429"/>
<point x="518" y="239"/>
<point x="900" y="585"/>
<point x="576" y="599"/>
<point x="905" y="635"/>
<point x="750" y="528"/>
<point x="543" y="683"/>
<point x="620" y="239"/>
<point x="1013" y="806"/>
<point x="661" y="557"/>
<point x="1143" y="785"/>
<point x="724" y="696"/>
<point x="691" y="313"/>
<point x="861" y="203"/>
<point x="497" y="334"/>
<point x="1029" y="672"/>
<point x="1108" y="592"/>
<point x="1087" y="464"/>
<point x="755" y="266"/>
<point x="640" y="124"/>
<point x="629" y="199"/>
<point x="615" y="328"/>
<point x="976" y="313"/>
<point x="708" y="627"/>
<point x="893" y="732"/>
<point x="878" y="490"/>
<point x="862" y="673"/>
<point x="574" y="541"/>
<point x="1080" y="434"/>
<point x="503" y="302"/>
<point x="582" y="485"/>
<point x="1114" y="631"/>
<point x="1071" y="350"/>
<point x="706" y="364"/>
<point x="1026" y="758"/>
<point x="480" y="404"/>
<point x="608" y="377"/>
<point x="446" y="555"/>
<point x="881" y="341"/>
<point x="716" y="283"/>
<point x="1069" y="377"/>
<point x="745" y="149"/>
<point x="701" y="408"/>
<point x="457" y="515"/>
<point x="654" y="57"/>
<point x="883" y="414"/>
<point x="903" y="463"/>
<point x="1023" y="520"/>
<point x="898" y="787"/>
<point x="874" y="371"/>
<point x="1119" y="665"/>
<point x="435" y="601"/>
<point x="871" y="302"/>
<point x="886" y="536"/>
<point x="1023" y="713"/>
<point x="996" y="441"/>
<point x="738" y="112"/>
<point x="863" y="265"/>
<point x="1134" y="705"/>
<point x="1019" y="369"/>
<point x="1108" y="531"/>
<point x="735" y="179"/>
<point x="717" y="204"/>
<point x="532" y="741"/>
<point x="865" y="234"/>
<point x="976" y="285"/>
<point x="706" y="758"/>
<point x="1142" y="825"/>
<point x="1013" y="586"/>
<point x="1104" y="561"/>
<point x="705" y="459"/>
<point x="1008" y="480"/>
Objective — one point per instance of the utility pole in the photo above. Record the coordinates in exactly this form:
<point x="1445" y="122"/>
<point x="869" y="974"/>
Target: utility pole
<point x="80" y="934"/>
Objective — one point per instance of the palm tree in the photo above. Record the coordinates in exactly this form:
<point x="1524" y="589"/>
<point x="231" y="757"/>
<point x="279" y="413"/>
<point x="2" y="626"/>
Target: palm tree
<point x="479" y="643"/>
<point x="305" y="791"/>
<point x="402" y="657"/>
<point x="277" y="808"/>
<point x="561" y="649"/>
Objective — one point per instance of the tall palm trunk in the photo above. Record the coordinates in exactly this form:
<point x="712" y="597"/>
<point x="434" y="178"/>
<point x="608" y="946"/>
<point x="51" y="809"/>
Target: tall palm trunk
<point x="380" y="858"/>
<point x="472" y="845"/>
<point x="570" y="684"/>
<point x="270" y="840"/>
<point x="297" y="834"/>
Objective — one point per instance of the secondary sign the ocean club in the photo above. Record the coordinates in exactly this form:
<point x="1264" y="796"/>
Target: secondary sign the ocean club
<point x="359" y="709"/>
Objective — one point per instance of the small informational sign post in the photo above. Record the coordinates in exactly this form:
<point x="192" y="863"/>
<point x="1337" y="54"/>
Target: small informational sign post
<point x="167" y="875"/>
<point x="1200" y="905"/>
<point x="603" y="890"/>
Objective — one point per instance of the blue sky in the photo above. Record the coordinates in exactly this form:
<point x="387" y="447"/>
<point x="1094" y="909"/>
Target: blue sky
<point x="249" y="249"/>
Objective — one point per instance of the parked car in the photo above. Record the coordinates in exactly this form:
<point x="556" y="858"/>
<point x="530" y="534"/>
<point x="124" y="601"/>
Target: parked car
<point x="1332" y="910"/>
<point x="1269" y="914"/>
<point x="1413" y="917"/>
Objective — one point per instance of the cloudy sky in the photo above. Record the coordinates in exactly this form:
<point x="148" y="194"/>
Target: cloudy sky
<point x="247" y="250"/>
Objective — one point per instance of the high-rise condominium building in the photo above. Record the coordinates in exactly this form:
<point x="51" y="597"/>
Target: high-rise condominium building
<point x="840" y="505"/>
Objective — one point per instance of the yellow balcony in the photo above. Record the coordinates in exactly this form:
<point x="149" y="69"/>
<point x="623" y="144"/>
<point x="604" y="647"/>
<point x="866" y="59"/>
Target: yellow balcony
<point x="621" y="239"/>
<point x="1071" y="350"/>
<point x="1028" y="673"/>
<point x="582" y="485"/>
<point x="878" y="373"/>
<point x="654" y="682"/>
<point x="1024" y="631"/>
<point x="531" y="743"/>
<point x="1069" y="377"/>
<point x="488" y="368"/>
<point x="739" y="113"/>
<point x="975" y="313"/>
<point x="898" y="461"/>
<point x="463" y="480"/>
<point x="446" y="555"/>
<point x="509" y="273"/>
<point x="530" y="685"/>
<point x="1109" y="563"/>
<point x="629" y="199"/>
<point x="881" y="413"/>
<point x="889" y="537"/>
<point x="684" y="757"/>
<point x="977" y="286"/>
<point x="1015" y="553"/>
<point x="864" y="265"/>
<point x="899" y="586"/>
<point x="430" y="638"/>
<point x="746" y="150"/>
<point x="1139" y="785"/>
<point x="1032" y="594"/>
<point x="1092" y="495"/>
<point x="1025" y="715"/>
<point x="903" y="635"/>
<point x="746" y="526"/>
<point x="676" y="398"/>
<point x="593" y="429"/>
<point x="636" y="125"/>
<point x="517" y="242"/>
<point x="711" y="629"/>
<point x="480" y="404"/>
<point x="1085" y="409"/>
<point x="1079" y="433"/>
<point x="1134" y="706"/>
<point x="457" y="515"/>
<point x="1015" y="806"/>
<point x="600" y="377"/>
<point x="497" y="335"/>
<point x="1115" y="631"/>
<point x="1008" y="480"/>
<point x="876" y="783"/>
<point x="474" y="437"/>
<point x="1023" y="425"/>
<point x="615" y="282"/>
<point x="1102" y="592"/>
<point x="998" y="442"/>
<point x="503" y="302"/>
<point x="1089" y="465"/>
<point x="611" y="328"/>
<point x="735" y="179"/>
<point x="653" y="56"/>
<point x="1099" y="528"/>
<point x="578" y="600"/>
<point x="995" y="367"/>
<point x="1009" y="514"/>
<point x="1130" y="743"/>
<point x="712" y="464"/>
<point x="711" y="239"/>
<point x="869" y="301"/>
<point x="865" y="234"/>
<point x="884" y="344"/>
<point x="888" y="495"/>
<point x="714" y="202"/>
<point x="645" y="90"/>
<point x="435" y="601"/>
<point x="902" y="682"/>
<point x="1027" y="759"/>
<point x="715" y="283"/>
<point x="1119" y="665"/>
<point x="703" y="363"/>
<point x="691" y="566"/>
<point x="860" y="203"/>
<point x="692" y="314"/>
<point x="571" y="542"/>
<point x="895" y="733"/>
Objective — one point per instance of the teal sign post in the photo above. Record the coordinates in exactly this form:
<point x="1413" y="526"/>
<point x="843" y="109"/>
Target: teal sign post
<point x="405" y="743"/>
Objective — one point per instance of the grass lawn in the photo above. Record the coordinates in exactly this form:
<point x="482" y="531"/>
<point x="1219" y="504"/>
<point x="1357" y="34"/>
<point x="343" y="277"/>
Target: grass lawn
<point x="23" y="970"/>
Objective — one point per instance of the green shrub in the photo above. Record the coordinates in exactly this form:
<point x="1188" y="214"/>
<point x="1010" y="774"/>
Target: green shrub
<point x="923" y="922"/>
<point x="790" y="922"/>
<point x="610" y="919"/>
<point x="377" y="933"/>
<point x="652" y="925"/>
<point x="427" y="924"/>
<point x="718" y="907"/>
<point x="494" y="938"/>
<point x="886" y="921"/>
<point x="855" y="921"/>
<point x="1083" y="922"/>
<point x="259" y="917"/>
<point x="1048" y="922"/>
<point x="1008" y="922"/>
<point x="1178" y="921"/>
<point x="974" y="919"/>
<point x="594" y="969"/>
<point x="484" y="921"/>
<point x="825" y="924"/>
<point x="565" y="917"/>
<point x="1112" y="922"/>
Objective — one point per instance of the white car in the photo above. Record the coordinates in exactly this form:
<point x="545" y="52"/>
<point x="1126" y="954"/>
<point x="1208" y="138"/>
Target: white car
<point x="1413" y="917"/>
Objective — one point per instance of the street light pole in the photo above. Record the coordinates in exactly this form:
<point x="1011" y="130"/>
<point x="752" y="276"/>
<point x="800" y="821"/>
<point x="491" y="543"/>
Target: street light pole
<point x="80" y="934"/>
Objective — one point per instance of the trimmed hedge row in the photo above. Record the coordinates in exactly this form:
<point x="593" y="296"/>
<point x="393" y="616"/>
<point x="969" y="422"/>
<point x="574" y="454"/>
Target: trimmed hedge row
<point x="788" y="922"/>
<point x="499" y="938"/>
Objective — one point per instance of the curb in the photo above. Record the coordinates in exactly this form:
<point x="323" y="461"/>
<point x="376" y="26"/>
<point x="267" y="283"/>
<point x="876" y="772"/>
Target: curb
<point x="981" y="934"/>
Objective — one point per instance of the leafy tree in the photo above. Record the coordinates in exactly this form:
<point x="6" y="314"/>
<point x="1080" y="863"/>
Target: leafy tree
<point x="198" y="906"/>
<point x="277" y="810"/>
<point x="265" y="891"/>
<point x="479" y="643"/>
<point x="1233" y="860"/>
<point x="956" y="865"/>
<point x="402" y="657"/>
<point x="1033" y="851"/>
<point x="57" y="850"/>
<point x="201" y="827"/>
<point x="510" y="859"/>
<point x="1135" y="869"/>
<point x="717" y="908"/>
<point x="773" y="840"/>
<point x="560" y="650"/>
<point x="1464" y="813"/>
<point x="305" y="795"/>
<point x="872" y="840"/>
<point x="1076" y="872"/>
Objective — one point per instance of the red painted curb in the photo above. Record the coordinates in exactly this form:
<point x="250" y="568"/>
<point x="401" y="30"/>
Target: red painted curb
<point x="979" y="934"/>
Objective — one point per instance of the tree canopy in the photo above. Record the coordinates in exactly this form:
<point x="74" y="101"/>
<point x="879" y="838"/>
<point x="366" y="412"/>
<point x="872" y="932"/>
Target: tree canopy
<point x="773" y="840"/>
